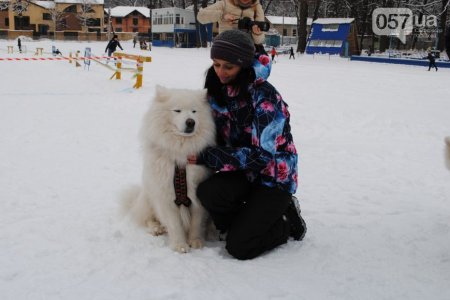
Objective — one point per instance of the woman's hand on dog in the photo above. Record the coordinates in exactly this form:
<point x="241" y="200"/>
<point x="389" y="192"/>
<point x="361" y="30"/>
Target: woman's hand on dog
<point x="192" y="159"/>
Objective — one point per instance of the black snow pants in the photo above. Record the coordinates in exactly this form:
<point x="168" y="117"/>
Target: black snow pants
<point x="251" y="214"/>
<point x="432" y="64"/>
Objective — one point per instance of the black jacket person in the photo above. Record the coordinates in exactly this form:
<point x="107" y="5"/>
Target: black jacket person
<point x="112" y="45"/>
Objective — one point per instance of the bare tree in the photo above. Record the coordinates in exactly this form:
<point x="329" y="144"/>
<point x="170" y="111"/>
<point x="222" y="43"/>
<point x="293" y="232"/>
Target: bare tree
<point x="58" y="18"/>
<point x="443" y="24"/>
<point x="86" y="13"/>
<point x="268" y="6"/>
<point x="197" y="26"/>
<point x="301" y="10"/>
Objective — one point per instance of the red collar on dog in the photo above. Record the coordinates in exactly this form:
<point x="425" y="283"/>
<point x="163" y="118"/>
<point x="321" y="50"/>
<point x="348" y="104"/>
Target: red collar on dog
<point x="179" y="183"/>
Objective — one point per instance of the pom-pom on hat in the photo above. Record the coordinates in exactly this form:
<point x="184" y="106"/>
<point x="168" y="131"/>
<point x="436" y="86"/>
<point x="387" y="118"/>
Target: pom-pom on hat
<point x="234" y="46"/>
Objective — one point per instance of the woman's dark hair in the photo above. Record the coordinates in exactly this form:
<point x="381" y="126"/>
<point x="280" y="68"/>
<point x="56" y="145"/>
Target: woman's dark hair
<point x="242" y="80"/>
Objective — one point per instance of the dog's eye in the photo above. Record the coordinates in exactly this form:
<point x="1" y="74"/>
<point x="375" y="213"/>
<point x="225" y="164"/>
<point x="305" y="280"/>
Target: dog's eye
<point x="177" y="110"/>
<point x="194" y="111"/>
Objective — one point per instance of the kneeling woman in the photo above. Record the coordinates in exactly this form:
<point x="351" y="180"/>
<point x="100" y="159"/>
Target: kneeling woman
<point x="250" y="197"/>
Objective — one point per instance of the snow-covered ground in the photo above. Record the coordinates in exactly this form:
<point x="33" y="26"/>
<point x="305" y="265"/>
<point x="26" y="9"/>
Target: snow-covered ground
<point x="373" y="187"/>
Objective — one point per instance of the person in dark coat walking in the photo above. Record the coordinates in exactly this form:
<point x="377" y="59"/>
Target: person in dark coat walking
<point x="432" y="60"/>
<point x="250" y="197"/>
<point x="112" y="45"/>
<point x="19" y="44"/>
<point x="291" y="51"/>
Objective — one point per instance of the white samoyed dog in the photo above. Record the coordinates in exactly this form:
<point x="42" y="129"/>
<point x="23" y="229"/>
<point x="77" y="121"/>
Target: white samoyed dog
<point x="178" y="123"/>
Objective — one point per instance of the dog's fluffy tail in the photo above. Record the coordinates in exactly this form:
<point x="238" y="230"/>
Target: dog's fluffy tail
<point x="134" y="206"/>
<point x="447" y="152"/>
<point x="128" y="198"/>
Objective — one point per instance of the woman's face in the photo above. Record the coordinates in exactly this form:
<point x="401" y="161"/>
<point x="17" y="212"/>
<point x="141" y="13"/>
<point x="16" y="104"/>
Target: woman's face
<point x="226" y="71"/>
<point x="245" y="2"/>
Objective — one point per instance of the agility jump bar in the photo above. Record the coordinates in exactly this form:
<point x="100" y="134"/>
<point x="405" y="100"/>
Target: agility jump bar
<point x="54" y="58"/>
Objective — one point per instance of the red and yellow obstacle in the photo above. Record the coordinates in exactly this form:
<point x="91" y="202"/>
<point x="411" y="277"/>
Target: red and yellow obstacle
<point x="140" y="59"/>
<point x="138" y="71"/>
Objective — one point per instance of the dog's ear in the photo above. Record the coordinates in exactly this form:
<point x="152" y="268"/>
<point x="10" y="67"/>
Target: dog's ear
<point x="203" y="94"/>
<point x="161" y="93"/>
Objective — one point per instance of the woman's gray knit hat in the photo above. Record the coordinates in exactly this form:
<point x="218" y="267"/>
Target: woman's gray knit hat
<point x="234" y="46"/>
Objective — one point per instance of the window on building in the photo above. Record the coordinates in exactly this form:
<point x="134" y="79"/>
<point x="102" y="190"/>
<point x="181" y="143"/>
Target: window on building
<point x="71" y="9"/>
<point x="6" y="21"/>
<point x="135" y="21"/>
<point x="294" y="32"/>
<point x="93" y="22"/>
<point x="329" y="43"/>
<point x="177" y="19"/>
<point x="46" y="16"/>
<point x="284" y="32"/>
<point x="118" y="20"/>
<point x="337" y="44"/>
<point x="330" y="27"/>
<point x="168" y="19"/>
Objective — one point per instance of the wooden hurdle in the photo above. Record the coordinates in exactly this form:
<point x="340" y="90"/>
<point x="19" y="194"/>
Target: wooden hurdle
<point x="139" y="66"/>
<point x="39" y="51"/>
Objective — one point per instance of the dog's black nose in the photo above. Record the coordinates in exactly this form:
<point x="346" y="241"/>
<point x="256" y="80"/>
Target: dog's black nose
<point x="190" y="124"/>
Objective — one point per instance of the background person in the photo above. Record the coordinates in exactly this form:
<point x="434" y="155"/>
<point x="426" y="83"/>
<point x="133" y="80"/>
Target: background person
<point x="273" y="53"/>
<point x="112" y="45"/>
<point x="228" y="12"/>
<point x="432" y="61"/>
<point x="250" y="195"/>
<point x="291" y="53"/>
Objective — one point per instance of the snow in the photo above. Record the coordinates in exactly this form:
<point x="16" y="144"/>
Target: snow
<point x="45" y="4"/>
<point x="122" y="11"/>
<point x="374" y="189"/>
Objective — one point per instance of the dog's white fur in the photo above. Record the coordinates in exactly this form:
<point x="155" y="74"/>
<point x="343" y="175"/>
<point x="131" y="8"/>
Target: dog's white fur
<point x="447" y="152"/>
<point x="167" y="141"/>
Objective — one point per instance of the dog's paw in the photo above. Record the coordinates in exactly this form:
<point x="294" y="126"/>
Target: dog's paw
<point x="157" y="230"/>
<point x="196" y="243"/>
<point x="182" y="248"/>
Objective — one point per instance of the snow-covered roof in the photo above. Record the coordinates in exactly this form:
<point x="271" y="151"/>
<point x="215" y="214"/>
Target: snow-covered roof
<point x="99" y="2"/>
<point x="325" y="21"/>
<point x="277" y="20"/>
<point x="45" y="4"/>
<point x="122" y="11"/>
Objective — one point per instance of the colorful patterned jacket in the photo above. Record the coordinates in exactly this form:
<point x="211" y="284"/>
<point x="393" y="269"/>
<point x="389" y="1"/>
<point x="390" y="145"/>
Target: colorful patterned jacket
<point x="254" y="135"/>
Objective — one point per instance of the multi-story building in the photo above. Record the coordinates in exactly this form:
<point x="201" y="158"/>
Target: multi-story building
<point x="68" y="18"/>
<point x="130" y="19"/>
